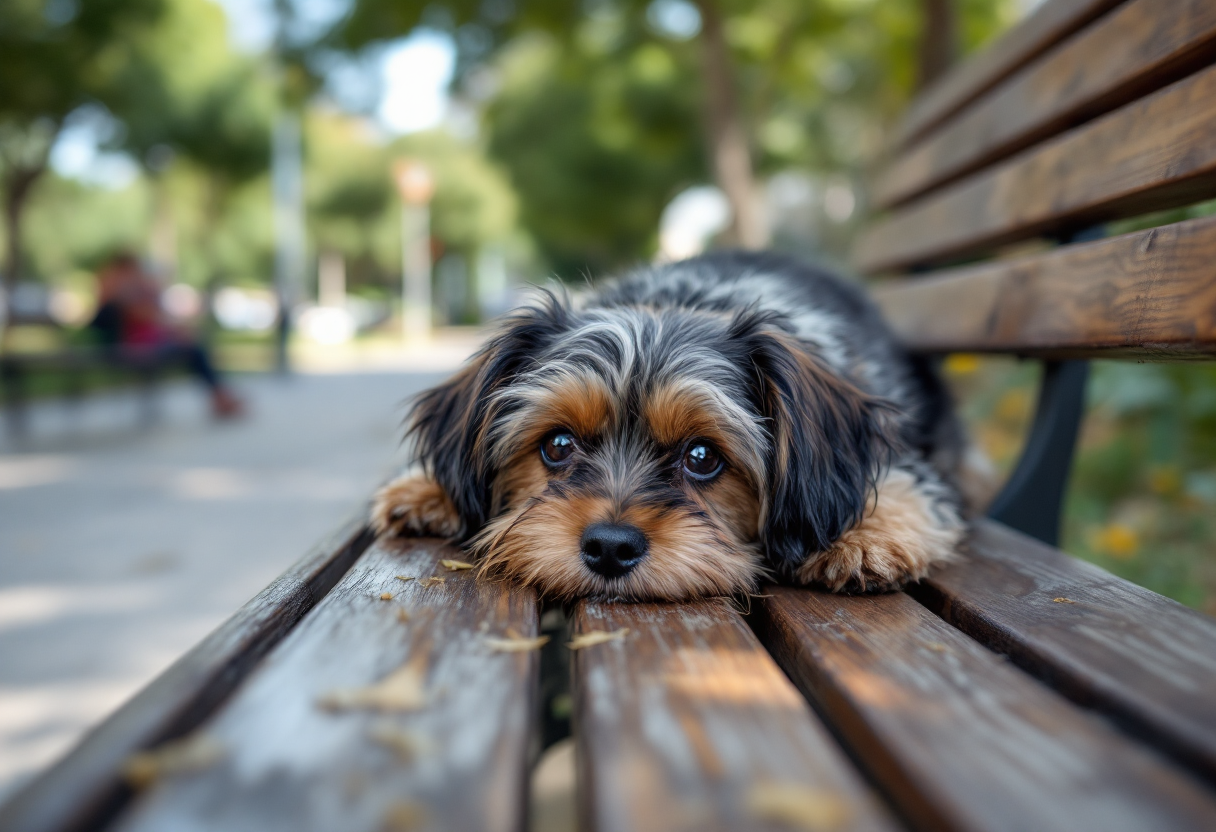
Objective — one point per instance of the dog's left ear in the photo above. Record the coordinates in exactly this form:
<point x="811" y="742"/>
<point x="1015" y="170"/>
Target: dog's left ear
<point x="830" y="442"/>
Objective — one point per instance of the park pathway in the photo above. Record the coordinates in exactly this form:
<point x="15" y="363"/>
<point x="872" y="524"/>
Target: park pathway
<point x="120" y="547"/>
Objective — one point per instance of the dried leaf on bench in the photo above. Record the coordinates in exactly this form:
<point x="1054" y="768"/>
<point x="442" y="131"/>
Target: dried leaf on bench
<point x="456" y="565"/>
<point x="404" y="577"/>
<point x="594" y="637"/>
<point x="386" y="596"/>
<point x="404" y="744"/>
<point x="799" y="807"/>
<point x="516" y="644"/>
<point x="189" y="754"/>
<point x="405" y="816"/>
<point x="401" y="690"/>
<point x="1063" y="601"/>
<point x="432" y="581"/>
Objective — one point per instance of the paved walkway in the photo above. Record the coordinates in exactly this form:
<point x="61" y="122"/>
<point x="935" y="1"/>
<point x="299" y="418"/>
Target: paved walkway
<point x="121" y="548"/>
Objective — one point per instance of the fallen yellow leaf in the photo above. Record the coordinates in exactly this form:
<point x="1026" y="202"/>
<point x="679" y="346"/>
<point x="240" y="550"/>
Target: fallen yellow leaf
<point x="401" y="690"/>
<point x="386" y="596"/>
<point x="594" y="637"/>
<point x="456" y="565"/>
<point x="189" y="754"/>
<point x="432" y="581"/>
<point x="516" y="645"/>
<point x="404" y="744"/>
<point x="813" y="810"/>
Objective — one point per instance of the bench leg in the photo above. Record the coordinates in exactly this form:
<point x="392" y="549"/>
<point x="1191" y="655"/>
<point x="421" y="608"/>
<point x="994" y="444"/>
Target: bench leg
<point x="149" y="412"/>
<point x="1033" y="498"/>
<point x="16" y="416"/>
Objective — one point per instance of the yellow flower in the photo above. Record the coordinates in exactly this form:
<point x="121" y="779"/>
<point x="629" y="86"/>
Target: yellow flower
<point x="1118" y="541"/>
<point x="962" y="364"/>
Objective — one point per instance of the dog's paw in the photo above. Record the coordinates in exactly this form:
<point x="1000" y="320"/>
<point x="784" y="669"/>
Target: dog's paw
<point x="904" y="532"/>
<point x="414" y="506"/>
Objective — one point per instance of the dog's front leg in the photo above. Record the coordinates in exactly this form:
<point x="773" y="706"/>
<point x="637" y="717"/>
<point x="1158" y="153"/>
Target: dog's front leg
<point x="911" y="522"/>
<point x="414" y="505"/>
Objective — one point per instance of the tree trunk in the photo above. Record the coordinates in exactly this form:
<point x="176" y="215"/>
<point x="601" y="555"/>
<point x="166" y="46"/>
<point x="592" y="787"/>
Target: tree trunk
<point x="938" y="41"/>
<point x="727" y="137"/>
<point x="17" y="186"/>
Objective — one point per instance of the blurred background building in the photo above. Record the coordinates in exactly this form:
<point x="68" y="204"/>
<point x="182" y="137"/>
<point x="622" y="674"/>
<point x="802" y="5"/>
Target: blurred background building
<point x="246" y="151"/>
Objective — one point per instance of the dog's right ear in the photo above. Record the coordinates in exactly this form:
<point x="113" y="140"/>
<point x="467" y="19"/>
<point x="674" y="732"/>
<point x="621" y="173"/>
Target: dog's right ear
<point x="450" y="424"/>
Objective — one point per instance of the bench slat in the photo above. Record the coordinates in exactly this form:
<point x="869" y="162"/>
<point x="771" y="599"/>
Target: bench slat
<point x="294" y="759"/>
<point x="84" y="789"/>
<point x="1050" y="23"/>
<point x="1146" y="660"/>
<point x="1148" y="294"/>
<point x="688" y="724"/>
<point x="958" y="738"/>
<point x="1137" y="48"/>
<point x="1158" y="152"/>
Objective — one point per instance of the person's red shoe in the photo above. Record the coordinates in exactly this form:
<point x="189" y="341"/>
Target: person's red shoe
<point x="224" y="405"/>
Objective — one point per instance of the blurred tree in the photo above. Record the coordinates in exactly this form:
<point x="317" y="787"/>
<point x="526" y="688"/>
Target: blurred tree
<point x="58" y="56"/>
<point x="186" y="98"/>
<point x="353" y="204"/>
<point x="749" y="88"/>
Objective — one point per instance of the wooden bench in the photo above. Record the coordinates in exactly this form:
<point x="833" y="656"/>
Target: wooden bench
<point x="1019" y="689"/>
<point x="73" y="365"/>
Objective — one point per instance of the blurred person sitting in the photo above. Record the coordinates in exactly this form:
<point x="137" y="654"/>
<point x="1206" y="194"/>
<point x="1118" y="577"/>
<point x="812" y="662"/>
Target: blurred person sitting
<point x="131" y="324"/>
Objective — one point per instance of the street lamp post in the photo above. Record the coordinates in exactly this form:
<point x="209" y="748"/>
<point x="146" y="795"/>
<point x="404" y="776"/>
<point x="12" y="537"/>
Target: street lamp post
<point x="416" y="187"/>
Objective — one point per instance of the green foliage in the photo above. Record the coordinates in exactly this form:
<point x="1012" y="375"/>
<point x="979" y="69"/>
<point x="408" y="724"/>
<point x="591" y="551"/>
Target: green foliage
<point x="1142" y="498"/>
<point x="596" y="144"/>
<point x="180" y="86"/>
<point x="354" y="208"/>
<point x="597" y="114"/>
<point x="59" y="55"/>
<point x="1142" y="501"/>
<point x="73" y="226"/>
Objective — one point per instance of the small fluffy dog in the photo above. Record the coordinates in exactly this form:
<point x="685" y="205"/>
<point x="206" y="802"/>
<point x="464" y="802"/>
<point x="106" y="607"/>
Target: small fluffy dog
<point x="684" y="431"/>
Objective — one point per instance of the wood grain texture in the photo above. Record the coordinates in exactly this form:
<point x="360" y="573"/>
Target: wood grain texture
<point x="1150" y="294"/>
<point x="1134" y="50"/>
<point x="1137" y="656"/>
<point x="957" y="738"/>
<point x="1050" y="23"/>
<point x="459" y="761"/>
<point x="686" y="724"/>
<point x="1158" y="152"/>
<point x="84" y="789"/>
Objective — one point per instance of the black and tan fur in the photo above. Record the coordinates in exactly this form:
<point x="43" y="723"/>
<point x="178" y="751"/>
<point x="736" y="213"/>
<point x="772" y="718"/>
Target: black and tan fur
<point x="839" y="449"/>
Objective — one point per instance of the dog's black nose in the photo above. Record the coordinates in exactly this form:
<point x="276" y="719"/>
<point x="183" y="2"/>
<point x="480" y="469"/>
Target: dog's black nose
<point x="613" y="549"/>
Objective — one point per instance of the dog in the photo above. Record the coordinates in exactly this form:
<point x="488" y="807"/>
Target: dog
<point x="689" y="430"/>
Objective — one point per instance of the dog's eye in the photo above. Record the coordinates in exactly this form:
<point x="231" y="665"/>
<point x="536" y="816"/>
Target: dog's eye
<point x="557" y="448"/>
<point x="702" y="461"/>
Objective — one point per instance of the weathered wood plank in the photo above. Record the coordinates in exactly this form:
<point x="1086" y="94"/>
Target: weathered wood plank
<point x="1148" y="294"/>
<point x="1050" y="23"/>
<point x="85" y="788"/>
<point x="1158" y="152"/>
<point x="1134" y="50"/>
<point x="1143" y="659"/>
<point x="687" y="724"/>
<point x="957" y="738"/>
<point x="305" y="746"/>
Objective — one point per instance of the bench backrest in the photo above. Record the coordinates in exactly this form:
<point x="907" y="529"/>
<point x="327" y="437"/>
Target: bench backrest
<point x="1089" y="111"/>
